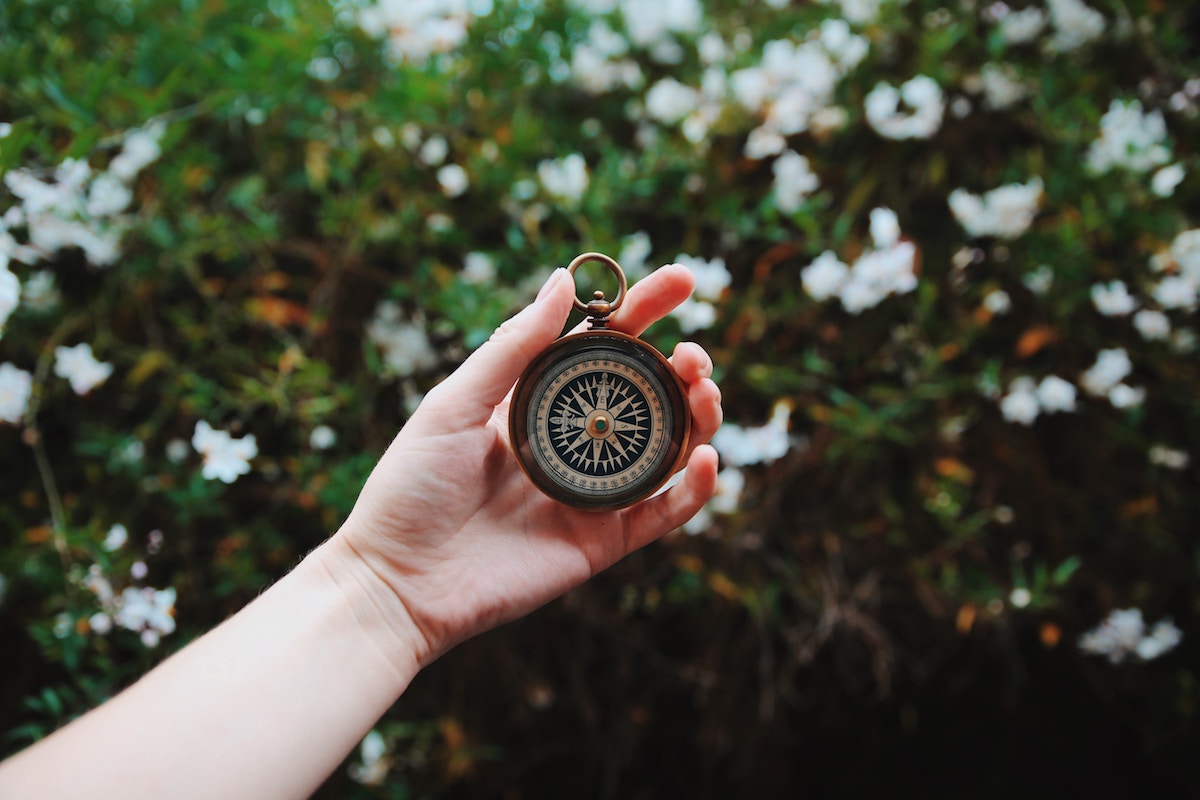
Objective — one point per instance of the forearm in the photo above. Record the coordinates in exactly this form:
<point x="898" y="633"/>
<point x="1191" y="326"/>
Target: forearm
<point x="264" y="706"/>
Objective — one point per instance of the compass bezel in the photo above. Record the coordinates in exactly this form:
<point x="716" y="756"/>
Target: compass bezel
<point x="664" y="381"/>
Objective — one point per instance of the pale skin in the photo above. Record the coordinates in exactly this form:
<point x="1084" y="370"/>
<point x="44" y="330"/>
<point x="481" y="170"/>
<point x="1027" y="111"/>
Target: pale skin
<point x="448" y="539"/>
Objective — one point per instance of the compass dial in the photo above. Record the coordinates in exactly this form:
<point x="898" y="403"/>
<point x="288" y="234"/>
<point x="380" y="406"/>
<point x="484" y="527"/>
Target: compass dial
<point x="599" y="420"/>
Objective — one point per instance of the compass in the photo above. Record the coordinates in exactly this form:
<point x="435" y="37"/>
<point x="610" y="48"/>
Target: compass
<point x="599" y="420"/>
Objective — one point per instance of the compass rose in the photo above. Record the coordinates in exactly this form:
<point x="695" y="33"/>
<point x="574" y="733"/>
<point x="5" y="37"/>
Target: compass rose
<point x="599" y="423"/>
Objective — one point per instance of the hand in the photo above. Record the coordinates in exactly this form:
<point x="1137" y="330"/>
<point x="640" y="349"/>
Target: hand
<point x="456" y="537"/>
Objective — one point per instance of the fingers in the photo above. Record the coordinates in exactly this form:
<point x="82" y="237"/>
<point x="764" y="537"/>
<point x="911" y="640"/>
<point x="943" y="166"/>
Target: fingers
<point x="693" y="365"/>
<point x="475" y="389"/>
<point x="651" y="299"/>
<point x="648" y="521"/>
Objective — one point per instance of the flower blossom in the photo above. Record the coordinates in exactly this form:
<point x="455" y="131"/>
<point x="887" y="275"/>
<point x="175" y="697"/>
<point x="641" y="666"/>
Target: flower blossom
<point x="15" y="387"/>
<point x="1022" y="27"/>
<point x="887" y="268"/>
<point x="1152" y="325"/>
<point x="1026" y="400"/>
<point x="1075" y="24"/>
<point x="374" y="761"/>
<point x="1122" y="636"/>
<point x="415" y="30"/>
<point x="225" y="458"/>
<point x="565" y="179"/>
<point x="1129" y="139"/>
<point x="80" y="367"/>
<point x="117" y="536"/>
<point x="453" y="180"/>
<point x="712" y="278"/>
<point x="921" y="95"/>
<point x="148" y="611"/>
<point x="794" y="181"/>
<point x="1005" y="212"/>
<point x="1168" y="457"/>
<point x="1166" y="179"/>
<point x="1112" y="299"/>
<point x="740" y="446"/>
<point x="405" y="344"/>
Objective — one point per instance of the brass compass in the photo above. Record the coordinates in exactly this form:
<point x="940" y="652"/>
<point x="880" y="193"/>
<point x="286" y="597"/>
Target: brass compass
<point x="599" y="420"/>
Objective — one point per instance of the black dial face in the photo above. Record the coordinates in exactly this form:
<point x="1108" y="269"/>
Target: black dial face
<point x="602" y="422"/>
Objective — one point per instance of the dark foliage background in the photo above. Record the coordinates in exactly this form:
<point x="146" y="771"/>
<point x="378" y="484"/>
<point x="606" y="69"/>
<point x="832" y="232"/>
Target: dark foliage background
<point x="897" y="600"/>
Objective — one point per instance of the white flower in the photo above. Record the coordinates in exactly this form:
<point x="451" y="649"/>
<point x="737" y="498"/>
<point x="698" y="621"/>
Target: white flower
<point x="1123" y="635"/>
<point x="694" y="315"/>
<point x="921" y="95"/>
<point x="177" y="451"/>
<point x="453" y="180"/>
<point x="1021" y="403"/>
<point x="374" y="761"/>
<point x="860" y="12"/>
<point x="1006" y="211"/>
<point x="1152" y="325"/>
<point x="322" y="437"/>
<point x="434" y="151"/>
<point x="885" y="228"/>
<point x="1022" y="27"/>
<point x="763" y="142"/>
<point x="146" y="610"/>
<point x="740" y="446"/>
<point x="1111" y="367"/>
<point x="415" y="31"/>
<point x="1129" y="139"/>
<point x="225" y="458"/>
<point x="635" y="249"/>
<point x="1168" y="457"/>
<point x="650" y="24"/>
<point x="1055" y="394"/>
<point x="712" y="278"/>
<point x="1177" y="291"/>
<point x="108" y="196"/>
<point x="141" y="149"/>
<point x="138" y="570"/>
<point x="1020" y="597"/>
<point x="478" y="269"/>
<point x="1039" y="280"/>
<point x="877" y="274"/>
<point x="1112" y="299"/>
<point x="1123" y="396"/>
<point x="1075" y="25"/>
<point x="116" y="538"/>
<point x="100" y="623"/>
<point x="566" y="179"/>
<point x="1166" y="179"/>
<point x="1001" y="89"/>
<point x="324" y="68"/>
<point x="794" y="181"/>
<point x="997" y="302"/>
<point x="405" y="344"/>
<point x="80" y="367"/>
<point x="824" y="277"/>
<point x="669" y="101"/>
<point x="15" y="386"/>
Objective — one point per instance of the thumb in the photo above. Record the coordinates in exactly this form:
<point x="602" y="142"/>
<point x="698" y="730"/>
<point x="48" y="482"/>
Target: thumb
<point x="485" y="378"/>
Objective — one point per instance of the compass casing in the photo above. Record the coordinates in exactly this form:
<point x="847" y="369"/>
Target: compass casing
<point x="599" y="420"/>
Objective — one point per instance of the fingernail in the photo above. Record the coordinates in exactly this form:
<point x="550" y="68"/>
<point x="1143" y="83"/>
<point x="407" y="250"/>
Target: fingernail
<point x="554" y="277"/>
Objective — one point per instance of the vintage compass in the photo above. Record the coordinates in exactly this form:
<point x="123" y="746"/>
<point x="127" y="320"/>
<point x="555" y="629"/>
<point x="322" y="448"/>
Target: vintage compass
<point x="599" y="420"/>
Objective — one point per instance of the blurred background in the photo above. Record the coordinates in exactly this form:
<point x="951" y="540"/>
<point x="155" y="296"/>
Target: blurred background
<point x="948" y="263"/>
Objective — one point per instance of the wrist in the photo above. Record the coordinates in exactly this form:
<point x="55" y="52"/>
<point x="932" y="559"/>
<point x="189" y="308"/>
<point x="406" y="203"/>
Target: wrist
<point x="375" y="609"/>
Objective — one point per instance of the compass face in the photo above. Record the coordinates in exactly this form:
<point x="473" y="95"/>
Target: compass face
<point x="599" y="420"/>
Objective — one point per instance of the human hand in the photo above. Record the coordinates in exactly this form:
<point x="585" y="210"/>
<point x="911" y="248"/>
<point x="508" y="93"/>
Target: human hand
<point x="455" y="537"/>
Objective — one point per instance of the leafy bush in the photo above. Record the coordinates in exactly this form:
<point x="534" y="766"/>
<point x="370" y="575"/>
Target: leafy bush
<point x="948" y="268"/>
